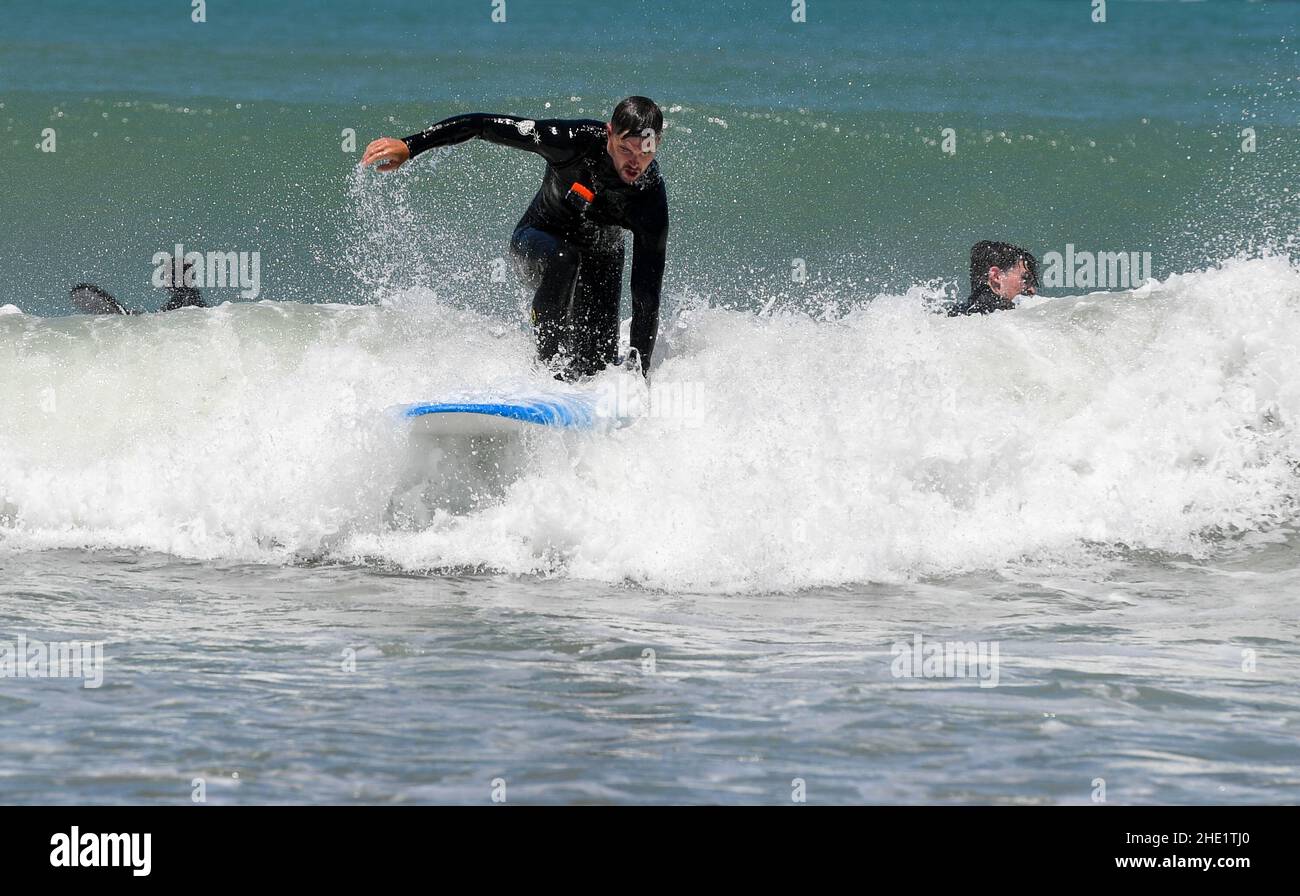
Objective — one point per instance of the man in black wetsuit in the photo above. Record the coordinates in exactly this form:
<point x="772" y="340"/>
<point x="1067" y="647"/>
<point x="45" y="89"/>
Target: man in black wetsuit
<point x="601" y="179"/>
<point x="998" y="273"/>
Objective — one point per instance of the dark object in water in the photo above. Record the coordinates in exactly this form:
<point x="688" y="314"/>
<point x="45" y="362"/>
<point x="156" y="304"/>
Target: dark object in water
<point x="90" y="299"/>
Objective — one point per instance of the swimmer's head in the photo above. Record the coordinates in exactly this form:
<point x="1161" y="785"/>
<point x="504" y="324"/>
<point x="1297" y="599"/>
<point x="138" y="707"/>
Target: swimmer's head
<point x="1005" y="269"/>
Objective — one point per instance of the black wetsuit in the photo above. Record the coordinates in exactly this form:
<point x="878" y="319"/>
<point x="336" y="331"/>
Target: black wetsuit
<point x="90" y="299"/>
<point x="183" y="297"/>
<point x="574" y="260"/>
<point x="981" y="301"/>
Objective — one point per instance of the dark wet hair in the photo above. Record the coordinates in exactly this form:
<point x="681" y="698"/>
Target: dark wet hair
<point x="988" y="254"/>
<point x="636" y="113"/>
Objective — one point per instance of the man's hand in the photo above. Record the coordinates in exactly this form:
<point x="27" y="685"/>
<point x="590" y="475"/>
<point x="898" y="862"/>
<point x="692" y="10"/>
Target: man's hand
<point x="387" y="153"/>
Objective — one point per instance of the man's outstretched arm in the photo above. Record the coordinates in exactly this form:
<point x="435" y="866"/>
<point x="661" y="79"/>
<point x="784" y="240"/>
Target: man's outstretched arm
<point x="555" y="140"/>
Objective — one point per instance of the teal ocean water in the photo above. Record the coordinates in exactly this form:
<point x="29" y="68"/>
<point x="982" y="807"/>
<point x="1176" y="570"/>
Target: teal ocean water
<point x="819" y="140"/>
<point x="1099" y="485"/>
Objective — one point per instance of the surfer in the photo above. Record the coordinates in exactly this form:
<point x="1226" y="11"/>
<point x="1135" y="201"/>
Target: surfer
<point x="601" y="179"/>
<point x="998" y="273"/>
<point x="91" y="299"/>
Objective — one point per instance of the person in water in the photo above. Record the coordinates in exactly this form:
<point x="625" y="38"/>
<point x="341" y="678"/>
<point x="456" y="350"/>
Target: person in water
<point x="90" y="299"/>
<point x="601" y="179"/>
<point x="998" y="273"/>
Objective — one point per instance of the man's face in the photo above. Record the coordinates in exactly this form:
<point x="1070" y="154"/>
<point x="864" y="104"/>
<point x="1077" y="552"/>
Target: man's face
<point x="1011" y="282"/>
<point x="631" y="153"/>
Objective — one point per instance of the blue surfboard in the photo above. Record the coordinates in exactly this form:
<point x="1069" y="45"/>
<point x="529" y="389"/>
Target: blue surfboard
<point x="495" y="413"/>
